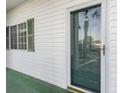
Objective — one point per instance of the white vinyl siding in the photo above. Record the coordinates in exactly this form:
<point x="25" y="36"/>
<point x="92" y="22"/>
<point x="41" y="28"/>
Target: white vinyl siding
<point x="48" y="62"/>
<point x="113" y="47"/>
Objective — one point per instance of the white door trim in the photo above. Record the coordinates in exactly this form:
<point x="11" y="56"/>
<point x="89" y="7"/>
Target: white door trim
<point x="103" y="28"/>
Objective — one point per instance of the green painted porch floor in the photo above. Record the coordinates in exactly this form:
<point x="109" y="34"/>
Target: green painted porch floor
<point x="21" y="83"/>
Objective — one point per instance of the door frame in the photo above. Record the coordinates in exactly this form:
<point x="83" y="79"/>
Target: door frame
<point x="104" y="63"/>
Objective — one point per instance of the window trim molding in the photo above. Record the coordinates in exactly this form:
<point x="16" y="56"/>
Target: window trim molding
<point x="17" y="37"/>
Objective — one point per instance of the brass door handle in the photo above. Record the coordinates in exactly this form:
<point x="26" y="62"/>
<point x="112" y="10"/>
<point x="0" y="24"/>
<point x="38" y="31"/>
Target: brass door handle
<point x="99" y="47"/>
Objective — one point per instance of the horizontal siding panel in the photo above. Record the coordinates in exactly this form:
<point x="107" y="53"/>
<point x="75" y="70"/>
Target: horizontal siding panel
<point x="113" y="10"/>
<point x="113" y="30"/>
<point x="114" y="22"/>
<point x="59" y="28"/>
<point x="50" y="41"/>
<point x="42" y="9"/>
<point x="52" y="32"/>
<point x="55" y="22"/>
<point x="52" y="37"/>
<point x="52" y="27"/>
<point x="114" y="16"/>
<point x="61" y="16"/>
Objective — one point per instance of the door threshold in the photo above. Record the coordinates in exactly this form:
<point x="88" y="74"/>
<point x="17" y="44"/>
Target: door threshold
<point x="77" y="90"/>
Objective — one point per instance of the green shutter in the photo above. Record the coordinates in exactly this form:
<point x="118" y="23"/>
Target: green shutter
<point x="30" y="24"/>
<point x="7" y="37"/>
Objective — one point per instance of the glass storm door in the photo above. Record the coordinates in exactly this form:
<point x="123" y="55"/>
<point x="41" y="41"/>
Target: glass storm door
<point x="85" y="48"/>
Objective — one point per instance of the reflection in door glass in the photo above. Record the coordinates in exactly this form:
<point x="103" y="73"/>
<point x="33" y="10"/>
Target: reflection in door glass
<point x="85" y="48"/>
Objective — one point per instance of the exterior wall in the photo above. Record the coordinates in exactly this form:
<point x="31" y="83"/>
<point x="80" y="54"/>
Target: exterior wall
<point x="48" y="62"/>
<point x="113" y="47"/>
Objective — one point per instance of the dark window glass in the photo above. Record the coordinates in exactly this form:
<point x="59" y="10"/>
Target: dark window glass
<point x="13" y="31"/>
<point x="30" y="23"/>
<point x="7" y="37"/>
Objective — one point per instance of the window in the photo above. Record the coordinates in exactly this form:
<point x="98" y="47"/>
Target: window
<point x="13" y="31"/>
<point x="7" y="37"/>
<point x="30" y="23"/>
<point x="22" y="36"/>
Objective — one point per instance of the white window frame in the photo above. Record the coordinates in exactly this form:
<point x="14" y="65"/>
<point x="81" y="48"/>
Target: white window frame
<point x="104" y="59"/>
<point x="26" y="36"/>
<point x="18" y="38"/>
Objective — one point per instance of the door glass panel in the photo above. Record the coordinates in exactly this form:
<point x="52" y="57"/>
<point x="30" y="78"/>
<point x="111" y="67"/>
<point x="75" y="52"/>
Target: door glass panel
<point x="85" y="48"/>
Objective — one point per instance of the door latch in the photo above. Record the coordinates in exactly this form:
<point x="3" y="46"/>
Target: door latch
<point x="99" y="47"/>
